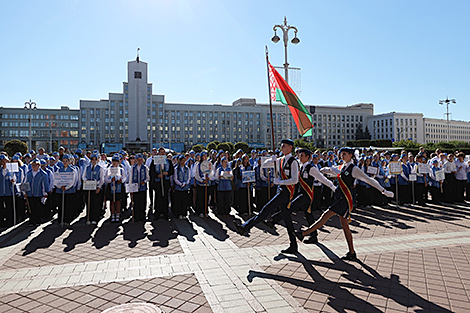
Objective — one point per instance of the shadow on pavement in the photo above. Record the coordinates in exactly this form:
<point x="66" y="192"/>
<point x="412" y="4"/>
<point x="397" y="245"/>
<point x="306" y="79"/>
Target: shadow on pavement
<point x="340" y="296"/>
<point x="80" y="234"/>
<point x="45" y="239"/>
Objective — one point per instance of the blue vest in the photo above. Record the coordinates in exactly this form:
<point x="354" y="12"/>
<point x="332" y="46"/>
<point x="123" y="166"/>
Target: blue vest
<point x="406" y="172"/>
<point x="6" y="187"/>
<point x="116" y="185"/>
<point x="183" y="176"/>
<point x="93" y="175"/>
<point x="37" y="183"/>
<point x="432" y="182"/>
<point x="225" y="184"/>
<point x="49" y="175"/>
<point x="139" y="176"/>
<point x="201" y="175"/>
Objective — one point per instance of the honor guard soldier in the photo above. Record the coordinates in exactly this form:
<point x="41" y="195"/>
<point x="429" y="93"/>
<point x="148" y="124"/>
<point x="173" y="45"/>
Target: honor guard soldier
<point x="160" y="174"/>
<point x="94" y="172"/>
<point x="347" y="173"/>
<point x="288" y="170"/>
<point x="37" y="194"/>
<point x="140" y="176"/>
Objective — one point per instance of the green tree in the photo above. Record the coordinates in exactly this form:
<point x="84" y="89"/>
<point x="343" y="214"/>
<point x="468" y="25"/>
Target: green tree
<point x="406" y="144"/>
<point x="300" y="143"/>
<point x="14" y="146"/>
<point x="242" y="145"/>
<point x="224" y="146"/>
<point x="212" y="145"/>
<point x="198" y="148"/>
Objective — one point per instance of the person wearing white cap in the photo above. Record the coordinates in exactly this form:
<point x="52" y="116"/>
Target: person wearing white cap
<point x="7" y="181"/>
<point x="114" y="177"/>
<point x="38" y="186"/>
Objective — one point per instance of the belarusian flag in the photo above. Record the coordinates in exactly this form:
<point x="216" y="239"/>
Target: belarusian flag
<point x="281" y="91"/>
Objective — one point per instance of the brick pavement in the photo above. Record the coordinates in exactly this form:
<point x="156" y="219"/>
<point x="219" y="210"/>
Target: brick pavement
<point x="412" y="259"/>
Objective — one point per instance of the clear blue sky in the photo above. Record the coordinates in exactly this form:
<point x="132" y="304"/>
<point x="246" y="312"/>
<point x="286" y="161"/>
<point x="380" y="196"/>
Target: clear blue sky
<point x="401" y="55"/>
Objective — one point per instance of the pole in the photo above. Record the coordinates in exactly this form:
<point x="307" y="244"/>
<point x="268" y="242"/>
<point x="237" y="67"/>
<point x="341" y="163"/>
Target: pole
<point x="30" y="137"/>
<point x="270" y="108"/>
<point x="132" y="203"/>
<point x="269" y="185"/>
<point x="14" y="203"/>
<point x="396" y="188"/>
<point x="286" y="75"/>
<point x="205" y="198"/>
<point x="413" y="191"/>
<point x="161" y="180"/>
<point x="63" y="205"/>
<point x="88" y="209"/>
<point x="114" y="191"/>
<point x="249" y="202"/>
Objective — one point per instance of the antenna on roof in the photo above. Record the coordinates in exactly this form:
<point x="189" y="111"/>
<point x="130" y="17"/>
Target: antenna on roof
<point x="137" y="59"/>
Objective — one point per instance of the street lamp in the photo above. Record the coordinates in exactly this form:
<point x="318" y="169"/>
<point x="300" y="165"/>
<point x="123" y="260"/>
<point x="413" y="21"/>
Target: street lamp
<point x="30" y="105"/>
<point x="446" y="102"/>
<point x="285" y="36"/>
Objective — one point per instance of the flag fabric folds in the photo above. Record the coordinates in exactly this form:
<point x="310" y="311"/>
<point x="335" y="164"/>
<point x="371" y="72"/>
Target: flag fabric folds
<point x="281" y="91"/>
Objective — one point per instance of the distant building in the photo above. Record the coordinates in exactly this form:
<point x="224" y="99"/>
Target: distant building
<point x="397" y="126"/>
<point x="436" y="130"/>
<point x="49" y="127"/>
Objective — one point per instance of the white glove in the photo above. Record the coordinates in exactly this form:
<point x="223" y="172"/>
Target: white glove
<point x="388" y="194"/>
<point x="277" y="181"/>
<point x="43" y="200"/>
<point x="334" y="189"/>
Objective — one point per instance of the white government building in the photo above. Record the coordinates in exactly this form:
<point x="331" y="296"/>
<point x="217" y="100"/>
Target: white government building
<point x="139" y="119"/>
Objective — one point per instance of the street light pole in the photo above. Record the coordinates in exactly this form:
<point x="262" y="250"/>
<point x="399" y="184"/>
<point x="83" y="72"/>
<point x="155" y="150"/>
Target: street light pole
<point x="285" y="36"/>
<point x="30" y="105"/>
<point x="446" y="102"/>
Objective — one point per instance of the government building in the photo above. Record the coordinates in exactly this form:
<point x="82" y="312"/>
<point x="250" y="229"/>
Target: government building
<point x="139" y="119"/>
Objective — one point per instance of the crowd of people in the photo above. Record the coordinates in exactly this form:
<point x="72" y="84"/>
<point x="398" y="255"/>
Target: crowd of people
<point x="284" y="181"/>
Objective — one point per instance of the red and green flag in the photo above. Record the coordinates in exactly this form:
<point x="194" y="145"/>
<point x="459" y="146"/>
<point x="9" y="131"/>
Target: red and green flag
<point x="281" y="91"/>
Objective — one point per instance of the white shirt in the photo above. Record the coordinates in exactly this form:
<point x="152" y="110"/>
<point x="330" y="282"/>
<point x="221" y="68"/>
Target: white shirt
<point x="294" y="171"/>
<point x="315" y="172"/>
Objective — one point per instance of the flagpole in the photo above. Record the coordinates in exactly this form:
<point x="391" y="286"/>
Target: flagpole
<point x="270" y="100"/>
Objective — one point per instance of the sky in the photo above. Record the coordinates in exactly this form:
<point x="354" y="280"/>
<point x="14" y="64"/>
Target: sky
<point x="401" y="55"/>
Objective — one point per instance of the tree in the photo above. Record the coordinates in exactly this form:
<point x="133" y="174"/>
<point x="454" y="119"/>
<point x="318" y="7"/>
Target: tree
<point x="212" y="145"/>
<point x="360" y="134"/>
<point x="407" y="144"/>
<point x="242" y="145"/>
<point x="198" y="148"/>
<point x="367" y="134"/>
<point x="300" y="143"/>
<point x="14" y="146"/>
<point x="224" y="146"/>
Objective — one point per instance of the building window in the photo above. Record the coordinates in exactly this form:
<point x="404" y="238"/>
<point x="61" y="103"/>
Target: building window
<point x="138" y="75"/>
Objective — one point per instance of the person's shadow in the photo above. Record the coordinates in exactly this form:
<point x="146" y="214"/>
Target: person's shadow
<point x="340" y="296"/>
<point x="211" y="227"/>
<point x="105" y="234"/>
<point x="133" y="232"/>
<point x="162" y="232"/>
<point x="80" y="234"/>
<point x="45" y="239"/>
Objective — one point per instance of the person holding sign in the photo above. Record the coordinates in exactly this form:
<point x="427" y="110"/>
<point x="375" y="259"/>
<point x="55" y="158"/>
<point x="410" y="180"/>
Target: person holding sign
<point x="20" y="177"/>
<point x="224" y="188"/>
<point x="435" y="185"/>
<point x="202" y="179"/>
<point x="140" y="175"/>
<point x="347" y="173"/>
<point x="421" y="169"/>
<point x="460" y="177"/>
<point x="47" y="209"/>
<point x="450" y="183"/>
<point x="182" y="179"/>
<point x="37" y="194"/>
<point x="94" y="197"/>
<point x="244" y="190"/>
<point x="66" y="189"/>
<point x="161" y="169"/>
<point x="288" y="170"/>
<point x="114" y="177"/>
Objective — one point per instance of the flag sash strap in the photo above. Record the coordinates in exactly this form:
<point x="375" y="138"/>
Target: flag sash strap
<point x="309" y="191"/>
<point x="347" y="194"/>
<point x="291" y="188"/>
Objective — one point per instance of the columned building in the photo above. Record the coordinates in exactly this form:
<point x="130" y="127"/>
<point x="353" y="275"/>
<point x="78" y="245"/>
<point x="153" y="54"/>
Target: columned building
<point x="436" y="130"/>
<point x="397" y="126"/>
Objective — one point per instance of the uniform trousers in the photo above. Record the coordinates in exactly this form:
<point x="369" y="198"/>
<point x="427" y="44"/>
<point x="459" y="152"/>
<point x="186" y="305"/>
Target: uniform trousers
<point x="200" y="199"/>
<point x="421" y="193"/>
<point x="449" y="186"/>
<point x="404" y="193"/>
<point x="467" y="191"/>
<point x="36" y="210"/>
<point x="459" y="190"/>
<point x="6" y="211"/>
<point x="280" y="200"/>
<point x="140" y="205"/>
<point x="436" y="194"/>
<point x="223" y="202"/>
<point x="69" y="207"/>
<point x="243" y="195"/>
<point x="96" y="204"/>
<point x="161" y="199"/>
<point x="180" y="203"/>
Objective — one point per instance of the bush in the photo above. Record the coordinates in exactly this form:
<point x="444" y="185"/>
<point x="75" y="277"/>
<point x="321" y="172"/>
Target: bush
<point x="198" y="148"/>
<point x="14" y="146"/>
<point x="242" y="145"/>
<point x="367" y="143"/>
<point x="225" y="146"/>
<point x="212" y="145"/>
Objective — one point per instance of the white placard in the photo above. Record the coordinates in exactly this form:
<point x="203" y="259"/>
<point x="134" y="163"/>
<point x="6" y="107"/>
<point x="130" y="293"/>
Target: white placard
<point x="395" y="167"/>
<point x="267" y="162"/>
<point x="206" y="167"/>
<point x="159" y="159"/>
<point x="132" y="187"/>
<point x="413" y="177"/>
<point x="63" y="179"/>
<point x="440" y="175"/>
<point x="114" y="171"/>
<point x="227" y="174"/>
<point x="90" y="185"/>
<point x="12" y="167"/>
<point x="423" y="168"/>
<point x="25" y="186"/>
<point x="248" y="176"/>
<point x="372" y="170"/>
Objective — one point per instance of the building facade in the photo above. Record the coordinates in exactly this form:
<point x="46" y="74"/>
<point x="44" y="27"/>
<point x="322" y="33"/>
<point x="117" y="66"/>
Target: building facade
<point x="436" y="130"/>
<point x="50" y="128"/>
<point x="397" y="126"/>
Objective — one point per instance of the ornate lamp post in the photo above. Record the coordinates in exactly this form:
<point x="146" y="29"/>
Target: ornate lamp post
<point x="30" y="105"/>
<point x="285" y="36"/>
